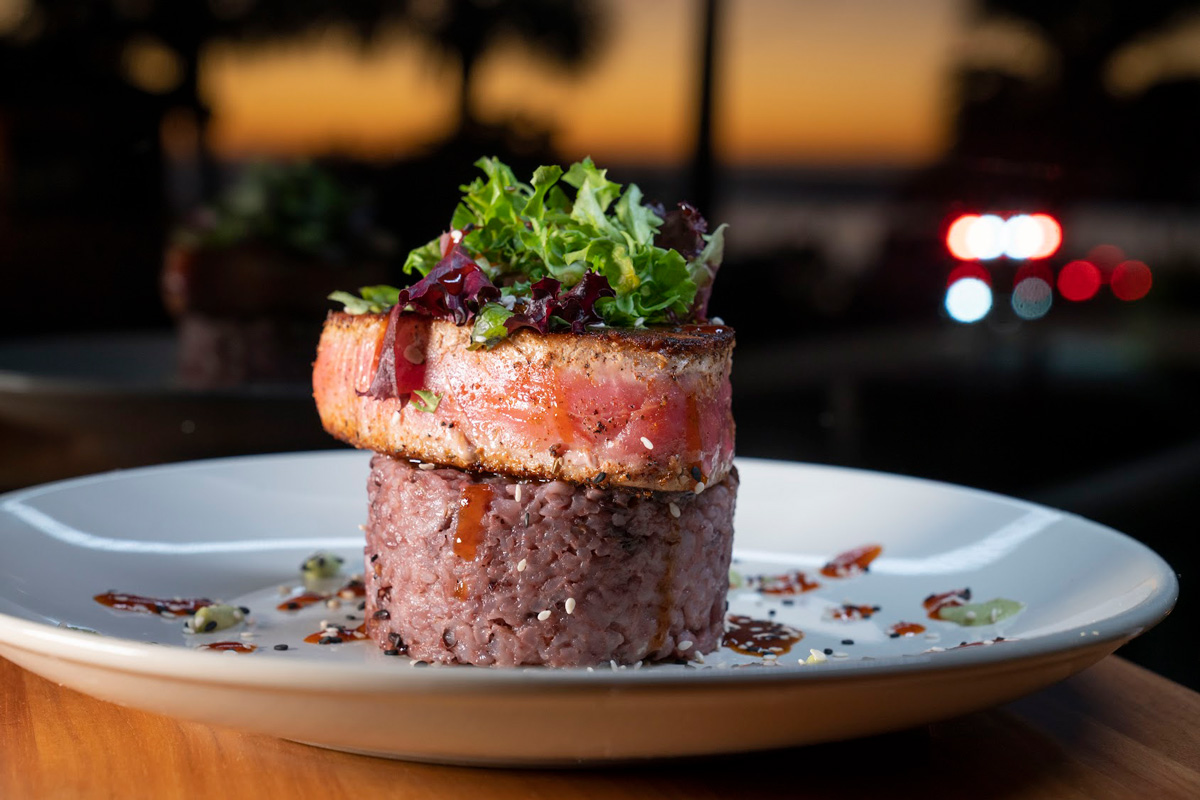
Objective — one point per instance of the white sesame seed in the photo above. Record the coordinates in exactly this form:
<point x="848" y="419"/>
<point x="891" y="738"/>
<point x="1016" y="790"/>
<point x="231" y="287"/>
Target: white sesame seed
<point x="839" y="654"/>
<point x="994" y="613"/>
<point x="333" y="602"/>
<point x="816" y="656"/>
<point x="521" y="565"/>
<point x="686" y="644"/>
<point x="247" y="634"/>
<point x="638" y="665"/>
<point x="1095" y="633"/>
<point x="425" y="465"/>
<point x="613" y="664"/>
<point x="969" y="616"/>
<point x="699" y="487"/>
<point x="395" y="416"/>
<point x="324" y="623"/>
<point x="647" y="443"/>
<point x="1083" y="633"/>
<point x="674" y="510"/>
<point x="936" y="649"/>
<point x="517" y="493"/>
<point x="570" y="605"/>
<point x="543" y="616"/>
<point x="362" y="527"/>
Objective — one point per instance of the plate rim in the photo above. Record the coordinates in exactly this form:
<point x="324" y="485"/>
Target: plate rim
<point x="178" y="661"/>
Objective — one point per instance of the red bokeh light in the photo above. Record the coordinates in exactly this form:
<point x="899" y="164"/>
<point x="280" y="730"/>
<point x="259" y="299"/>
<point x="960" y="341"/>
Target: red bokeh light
<point x="969" y="270"/>
<point x="1131" y="280"/>
<point x="956" y="237"/>
<point x="1079" y="280"/>
<point x="1106" y="257"/>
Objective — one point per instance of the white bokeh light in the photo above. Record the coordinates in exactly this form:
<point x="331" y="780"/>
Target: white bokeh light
<point x="1025" y="237"/>
<point x="986" y="239"/>
<point x="968" y="300"/>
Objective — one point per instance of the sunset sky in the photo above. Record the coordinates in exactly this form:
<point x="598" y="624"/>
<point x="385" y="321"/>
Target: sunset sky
<point x="862" y="81"/>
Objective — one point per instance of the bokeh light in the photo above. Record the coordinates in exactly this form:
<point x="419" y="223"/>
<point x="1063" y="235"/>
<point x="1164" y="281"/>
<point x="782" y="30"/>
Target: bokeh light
<point x="969" y="269"/>
<point x="973" y="237"/>
<point x="1032" y="298"/>
<point x="1079" y="281"/>
<point x="1106" y="257"/>
<point x="968" y="300"/>
<point x="1131" y="280"/>
<point x="986" y="237"/>
<point x="956" y="237"/>
<point x="1051" y="235"/>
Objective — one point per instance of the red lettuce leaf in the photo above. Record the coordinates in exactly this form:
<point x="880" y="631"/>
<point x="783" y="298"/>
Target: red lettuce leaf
<point x="682" y="230"/>
<point x="576" y="306"/>
<point x="456" y="288"/>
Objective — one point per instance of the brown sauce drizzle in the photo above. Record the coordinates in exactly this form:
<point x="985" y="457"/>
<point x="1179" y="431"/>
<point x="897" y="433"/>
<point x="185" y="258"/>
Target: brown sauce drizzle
<point x="692" y="429"/>
<point x="461" y="592"/>
<point x="342" y="635"/>
<point x="788" y="583"/>
<point x="353" y="588"/>
<point x="905" y="629"/>
<point x="848" y="612"/>
<point x="852" y="562"/>
<point x="229" y="647"/>
<point x="936" y="602"/>
<point x="301" y="601"/>
<point x="472" y="506"/>
<point x="666" y="597"/>
<point x="175" y="606"/>
<point x="757" y="637"/>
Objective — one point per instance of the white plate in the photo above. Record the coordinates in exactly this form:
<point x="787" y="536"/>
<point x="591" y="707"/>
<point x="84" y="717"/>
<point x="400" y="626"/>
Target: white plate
<point x="236" y="529"/>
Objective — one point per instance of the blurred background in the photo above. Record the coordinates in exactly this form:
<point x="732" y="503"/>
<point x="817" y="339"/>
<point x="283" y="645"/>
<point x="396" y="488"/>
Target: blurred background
<point x="964" y="243"/>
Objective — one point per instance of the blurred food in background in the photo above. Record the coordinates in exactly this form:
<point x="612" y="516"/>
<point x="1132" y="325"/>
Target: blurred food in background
<point x="247" y="278"/>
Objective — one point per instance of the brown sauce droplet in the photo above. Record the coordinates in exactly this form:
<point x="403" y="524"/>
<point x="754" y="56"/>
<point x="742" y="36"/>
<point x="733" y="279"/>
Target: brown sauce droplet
<point x="301" y="601"/>
<point x="852" y="562"/>
<point x="353" y="588"/>
<point x="175" y="606"/>
<point x="848" y="612"/>
<point x="229" y="647"/>
<point x="936" y="602"/>
<point x="472" y="506"/>
<point x="461" y="592"/>
<point x="757" y="637"/>
<point x="692" y="429"/>
<point x="788" y="583"/>
<point x="337" y="634"/>
<point x="905" y="629"/>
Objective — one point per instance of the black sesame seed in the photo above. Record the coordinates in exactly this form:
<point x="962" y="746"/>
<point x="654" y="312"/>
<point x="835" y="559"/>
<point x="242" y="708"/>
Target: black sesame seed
<point x="420" y="664"/>
<point x="210" y="625"/>
<point x="382" y="613"/>
<point x="321" y="561"/>
<point x="281" y="647"/>
<point x="893" y="636"/>
<point x="374" y="557"/>
<point x="828" y="651"/>
<point x="362" y="605"/>
<point x="600" y="476"/>
<point x="771" y="612"/>
<point x="330" y="640"/>
<point x="392" y="652"/>
<point x="338" y="559"/>
<point x="351" y="616"/>
<point x="847" y="641"/>
<point x="696" y="473"/>
<point x="159" y="608"/>
<point x="293" y="606"/>
<point x="243" y="609"/>
<point x="789" y="602"/>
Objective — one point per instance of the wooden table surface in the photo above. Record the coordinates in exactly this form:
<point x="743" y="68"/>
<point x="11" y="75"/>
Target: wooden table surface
<point x="1115" y="730"/>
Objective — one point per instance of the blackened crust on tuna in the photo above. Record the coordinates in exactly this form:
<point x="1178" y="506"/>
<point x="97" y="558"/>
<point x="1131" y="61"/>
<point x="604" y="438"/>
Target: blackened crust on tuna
<point x="561" y="574"/>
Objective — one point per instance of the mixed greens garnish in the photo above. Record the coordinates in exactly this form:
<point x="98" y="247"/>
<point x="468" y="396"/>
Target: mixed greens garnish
<point x="568" y="250"/>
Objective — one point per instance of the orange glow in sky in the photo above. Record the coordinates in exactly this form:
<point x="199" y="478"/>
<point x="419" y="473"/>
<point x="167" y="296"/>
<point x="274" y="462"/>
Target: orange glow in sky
<point x="798" y="82"/>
